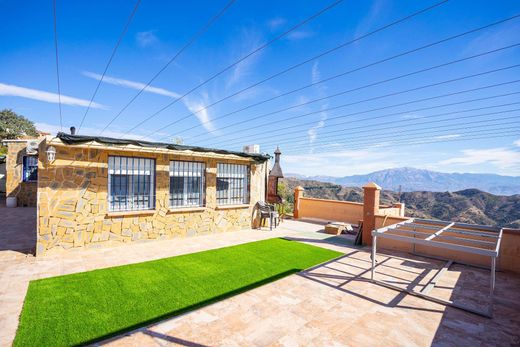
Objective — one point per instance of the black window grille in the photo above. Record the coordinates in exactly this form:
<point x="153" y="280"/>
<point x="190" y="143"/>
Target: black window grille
<point x="131" y="183"/>
<point x="232" y="184"/>
<point x="187" y="184"/>
<point x="30" y="169"/>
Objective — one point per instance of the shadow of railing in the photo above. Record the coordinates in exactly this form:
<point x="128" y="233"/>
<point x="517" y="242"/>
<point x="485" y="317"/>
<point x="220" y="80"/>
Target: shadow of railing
<point x="348" y="277"/>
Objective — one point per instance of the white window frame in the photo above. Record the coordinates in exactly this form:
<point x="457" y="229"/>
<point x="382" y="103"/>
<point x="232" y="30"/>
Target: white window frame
<point x="187" y="170"/>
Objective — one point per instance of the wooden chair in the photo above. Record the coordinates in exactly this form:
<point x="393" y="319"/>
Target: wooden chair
<point x="268" y="211"/>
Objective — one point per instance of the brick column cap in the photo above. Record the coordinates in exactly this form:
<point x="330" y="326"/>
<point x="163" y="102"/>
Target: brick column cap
<point x="371" y="185"/>
<point x="300" y="188"/>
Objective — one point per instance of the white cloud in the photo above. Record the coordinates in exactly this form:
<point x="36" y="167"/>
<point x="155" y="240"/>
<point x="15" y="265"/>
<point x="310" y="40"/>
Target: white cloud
<point x="40" y="95"/>
<point x="299" y="35"/>
<point x="338" y="163"/>
<point x="496" y="37"/>
<point x="203" y="116"/>
<point x="276" y="23"/>
<point x="517" y="143"/>
<point x="411" y="116"/>
<point x="249" y="41"/>
<point x="146" y="38"/>
<point x="365" y="24"/>
<point x="445" y="137"/>
<point x="131" y="84"/>
<point x="321" y="89"/>
<point x="191" y="104"/>
<point x="501" y="158"/>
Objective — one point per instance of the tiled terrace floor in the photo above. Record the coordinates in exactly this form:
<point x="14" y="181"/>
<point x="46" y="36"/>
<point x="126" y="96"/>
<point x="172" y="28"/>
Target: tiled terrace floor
<point x="333" y="304"/>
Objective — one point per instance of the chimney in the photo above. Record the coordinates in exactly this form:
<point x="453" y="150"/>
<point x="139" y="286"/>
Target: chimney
<point x="73" y="130"/>
<point x="274" y="175"/>
<point x="277" y="170"/>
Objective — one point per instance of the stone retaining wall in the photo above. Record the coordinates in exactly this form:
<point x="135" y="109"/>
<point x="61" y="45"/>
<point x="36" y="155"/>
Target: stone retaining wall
<point x="73" y="207"/>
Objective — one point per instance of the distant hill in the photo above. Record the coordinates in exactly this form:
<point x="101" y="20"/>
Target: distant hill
<point x="411" y="179"/>
<point x="469" y="205"/>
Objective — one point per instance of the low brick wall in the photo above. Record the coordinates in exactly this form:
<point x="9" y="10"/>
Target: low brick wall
<point x="331" y="210"/>
<point x="73" y="208"/>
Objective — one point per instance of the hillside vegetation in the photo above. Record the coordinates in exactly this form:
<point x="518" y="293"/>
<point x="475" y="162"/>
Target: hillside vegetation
<point x="469" y="205"/>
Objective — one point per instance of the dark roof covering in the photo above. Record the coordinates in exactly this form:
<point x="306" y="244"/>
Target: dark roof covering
<point x="79" y="139"/>
<point x="2" y="159"/>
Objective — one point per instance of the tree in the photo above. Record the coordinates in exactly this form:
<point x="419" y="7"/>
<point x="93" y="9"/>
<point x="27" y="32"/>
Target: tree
<point x="13" y="126"/>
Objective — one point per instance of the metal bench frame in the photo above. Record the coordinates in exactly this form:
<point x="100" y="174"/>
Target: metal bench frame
<point x="488" y="245"/>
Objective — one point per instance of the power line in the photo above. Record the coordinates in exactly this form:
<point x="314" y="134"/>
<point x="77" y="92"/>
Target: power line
<point x="123" y="33"/>
<point x="337" y="2"/>
<point x="190" y="42"/>
<point x="373" y="131"/>
<point x="306" y="62"/>
<point x="421" y="140"/>
<point x="292" y="126"/>
<point x="57" y="61"/>
<point x="362" y="87"/>
<point x="400" y="113"/>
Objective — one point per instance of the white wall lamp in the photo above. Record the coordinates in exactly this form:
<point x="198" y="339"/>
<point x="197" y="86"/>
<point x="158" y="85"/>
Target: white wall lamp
<point x="51" y="154"/>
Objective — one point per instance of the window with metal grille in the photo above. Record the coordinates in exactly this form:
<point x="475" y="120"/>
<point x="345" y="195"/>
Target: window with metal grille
<point x="131" y="183"/>
<point x="187" y="184"/>
<point x="30" y="169"/>
<point x="232" y="184"/>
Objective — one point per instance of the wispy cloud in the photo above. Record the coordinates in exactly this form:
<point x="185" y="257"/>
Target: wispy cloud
<point x="191" y="103"/>
<point x="411" y="116"/>
<point x="340" y="162"/>
<point x="299" y="35"/>
<point x="502" y="158"/>
<point x="367" y="22"/>
<point x="40" y="95"/>
<point x="146" y="38"/>
<point x="250" y="39"/>
<point x="517" y="143"/>
<point x="131" y="84"/>
<point x="203" y="116"/>
<point x="321" y="89"/>
<point x="497" y="37"/>
<point x="445" y="137"/>
<point x="275" y="23"/>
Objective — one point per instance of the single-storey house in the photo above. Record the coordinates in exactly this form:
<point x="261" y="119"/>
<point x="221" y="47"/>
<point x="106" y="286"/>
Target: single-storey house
<point x="97" y="190"/>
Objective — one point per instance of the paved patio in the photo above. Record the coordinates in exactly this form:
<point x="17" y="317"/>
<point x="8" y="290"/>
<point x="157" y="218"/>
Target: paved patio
<point x="332" y="304"/>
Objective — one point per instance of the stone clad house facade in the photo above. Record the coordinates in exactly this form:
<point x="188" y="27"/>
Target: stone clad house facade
<point x="101" y="191"/>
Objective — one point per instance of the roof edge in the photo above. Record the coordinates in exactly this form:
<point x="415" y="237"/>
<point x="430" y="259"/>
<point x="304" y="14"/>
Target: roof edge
<point x="69" y="139"/>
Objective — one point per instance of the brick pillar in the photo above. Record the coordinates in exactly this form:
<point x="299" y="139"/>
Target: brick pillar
<point x="298" y="193"/>
<point x="370" y="209"/>
<point x="401" y="207"/>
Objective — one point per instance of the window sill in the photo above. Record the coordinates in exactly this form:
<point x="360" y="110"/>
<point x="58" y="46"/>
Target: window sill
<point x="231" y="207"/>
<point x="187" y="209"/>
<point x="130" y="213"/>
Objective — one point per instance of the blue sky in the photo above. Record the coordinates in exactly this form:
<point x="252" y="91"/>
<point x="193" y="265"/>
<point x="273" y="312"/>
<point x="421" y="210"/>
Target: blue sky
<point x="471" y="131"/>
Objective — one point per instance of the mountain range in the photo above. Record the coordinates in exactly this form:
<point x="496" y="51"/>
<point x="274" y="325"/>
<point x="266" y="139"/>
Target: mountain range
<point x="468" y="206"/>
<point x="410" y="179"/>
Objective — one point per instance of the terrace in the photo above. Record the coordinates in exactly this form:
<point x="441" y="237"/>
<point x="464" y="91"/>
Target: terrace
<point x="333" y="302"/>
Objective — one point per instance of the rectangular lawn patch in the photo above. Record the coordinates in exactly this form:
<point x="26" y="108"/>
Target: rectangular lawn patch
<point x="90" y="306"/>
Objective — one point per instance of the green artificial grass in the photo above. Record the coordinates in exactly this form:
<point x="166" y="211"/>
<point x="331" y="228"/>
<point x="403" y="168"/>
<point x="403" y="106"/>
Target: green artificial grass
<point x="90" y="306"/>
